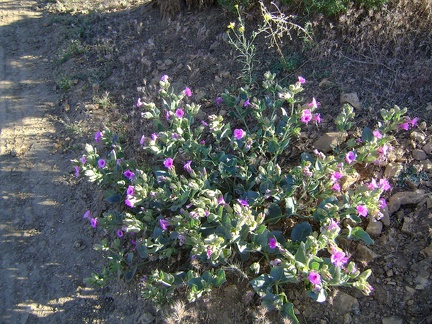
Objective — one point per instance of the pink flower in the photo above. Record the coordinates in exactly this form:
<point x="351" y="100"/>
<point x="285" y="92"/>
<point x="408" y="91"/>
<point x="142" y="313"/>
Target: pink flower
<point x="164" y="223"/>
<point x="372" y="185"/>
<point x="404" y="126"/>
<point x="301" y="80"/>
<point x="413" y="122"/>
<point x="377" y="134"/>
<point x="243" y="202"/>
<point x="246" y="103"/>
<point x="209" y="252"/>
<point x="239" y="134"/>
<point x="314" y="104"/>
<point x="130" y="191"/>
<point x="130" y="203"/>
<point x="382" y="203"/>
<point x="314" y="278"/>
<point x="338" y="258"/>
<point x="83" y="160"/>
<point x="307" y="172"/>
<point x="187" y="92"/>
<point x="169" y="163"/>
<point x="77" y="171"/>
<point x="164" y="78"/>
<point x="179" y="113"/>
<point x="275" y="262"/>
<point x="167" y="115"/>
<point x="154" y="136"/>
<point x="142" y="140"/>
<point x="182" y="239"/>
<point x="384" y="184"/>
<point x="101" y="163"/>
<point x="219" y="100"/>
<point x="336" y="187"/>
<point x="306" y="116"/>
<point x="350" y="157"/>
<point x="362" y="210"/>
<point x="336" y="176"/>
<point x="87" y="214"/>
<point x="316" y="118"/>
<point x="221" y="201"/>
<point x="383" y="150"/>
<point x="139" y="103"/>
<point x="272" y="243"/>
<point x="119" y="233"/>
<point x="129" y="174"/>
<point x="98" y="136"/>
<point x="187" y="166"/>
<point x="93" y="222"/>
<point x="333" y="226"/>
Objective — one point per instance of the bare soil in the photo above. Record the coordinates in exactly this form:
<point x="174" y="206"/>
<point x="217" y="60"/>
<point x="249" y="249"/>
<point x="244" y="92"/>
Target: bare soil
<point x="50" y="105"/>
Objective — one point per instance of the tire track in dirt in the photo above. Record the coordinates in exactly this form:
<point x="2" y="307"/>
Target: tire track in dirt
<point x="45" y="253"/>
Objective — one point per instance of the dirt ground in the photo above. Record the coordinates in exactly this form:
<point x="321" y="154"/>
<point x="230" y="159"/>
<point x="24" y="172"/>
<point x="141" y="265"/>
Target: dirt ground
<point x="46" y="246"/>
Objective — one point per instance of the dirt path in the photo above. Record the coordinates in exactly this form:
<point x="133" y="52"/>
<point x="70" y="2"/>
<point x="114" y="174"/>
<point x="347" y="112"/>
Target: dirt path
<point x="42" y="263"/>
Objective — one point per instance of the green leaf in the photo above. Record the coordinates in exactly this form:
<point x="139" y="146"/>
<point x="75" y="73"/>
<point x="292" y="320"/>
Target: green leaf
<point x="274" y="211"/>
<point x="289" y="206"/>
<point x="359" y="233"/>
<point x="262" y="284"/>
<point x="300" y="255"/>
<point x="307" y="157"/>
<point x="114" y="198"/>
<point x="301" y="231"/>
<point x="271" y="301"/>
<point x="142" y="250"/>
<point x="288" y="312"/>
<point x="367" y="135"/>
<point x="129" y="275"/>
<point x="273" y="146"/>
<point x="220" y="278"/>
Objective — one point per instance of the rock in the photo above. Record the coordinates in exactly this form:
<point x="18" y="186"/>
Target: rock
<point x="393" y="169"/>
<point x="168" y="62"/>
<point x="408" y="226"/>
<point x="344" y="303"/>
<point x="386" y="217"/>
<point x="200" y="95"/>
<point x="328" y="141"/>
<point x="146" y="318"/>
<point x="418" y="137"/>
<point x="426" y="165"/>
<point x="374" y="227"/>
<point x="427" y="148"/>
<point x="351" y="98"/>
<point x="419" y="155"/>
<point x="365" y="254"/>
<point x="392" y="320"/>
<point x="404" y="198"/>
<point x="427" y="251"/>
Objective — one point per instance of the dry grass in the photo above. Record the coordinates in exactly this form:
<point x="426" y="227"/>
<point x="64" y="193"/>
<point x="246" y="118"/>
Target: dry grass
<point x="86" y="6"/>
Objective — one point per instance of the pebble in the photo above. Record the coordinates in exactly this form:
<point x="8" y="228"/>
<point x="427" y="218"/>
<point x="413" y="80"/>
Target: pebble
<point x="419" y="155"/>
<point x="374" y="227"/>
<point x="427" y="148"/>
<point x="344" y="303"/>
<point x="351" y="98"/>
<point x="393" y="169"/>
<point x="392" y="320"/>
<point x="328" y="141"/>
<point x="365" y="254"/>
<point x="426" y="165"/>
<point x="386" y="218"/>
<point x="418" y="137"/>
<point x="408" y="226"/>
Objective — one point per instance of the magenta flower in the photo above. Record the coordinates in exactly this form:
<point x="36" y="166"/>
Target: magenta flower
<point x="130" y="203"/>
<point x="383" y="150"/>
<point x="101" y="163"/>
<point x="142" y="140"/>
<point x="377" y="134"/>
<point x="307" y="172"/>
<point x="336" y="176"/>
<point x="413" y="122"/>
<point x="204" y="123"/>
<point x="314" y="104"/>
<point x="182" y="239"/>
<point x="164" y="78"/>
<point x="187" y="166"/>
<point x="167" y="115"/>
<point x="221" y="201"/>
<point x="209" y="252"/>
<point x="404" y="126"/>
<point x="275" y="262"/>
<point x="154" y="136"/>
<point x="77" y="171"/>
<point x="384" y="184"/>
<point x="316" y="118"/>
<point x="93" y="222"/>
<point x="175" y="136"/>
<point x="87" y="214"/>
<point x="164" y="223"/>
<point x="336" y="187"/>
<point x="333" y="226"/>
<point x="382" y="203"/>
<point x="350" y="157"/>
<point x="338" y="258"/>
<point x="169" y="163"/>
<point x="129" y="174"/>
<point x="301" y="80"/>
<point x="187" y="92"/>
<point x="272" y="243"/>
<point x="119" y="233"/>
<point x="219" y="101"/>
<point x="314" y="278"/>
<point x="246" y="103"/>
<point x="98" y="136"/>
<point x="83" y="160"/>
<point x="130" y="191"/>
<point x="362" y="210"/>
<point x="179" y="113"/>
<point x="372" y="185"/>
<point x="243" y="202"/>
<point x="239" y="134"/>
<point x="306" y="116"/>
<point x="139" y="103"/>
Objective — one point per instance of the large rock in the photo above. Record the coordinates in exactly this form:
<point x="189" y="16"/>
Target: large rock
<point x="344" y="303"/>
<point x="404" y="198"/>
<point x="351" y="98"/>
<point x="419" y="155"/>
<point x="374" y="227"/>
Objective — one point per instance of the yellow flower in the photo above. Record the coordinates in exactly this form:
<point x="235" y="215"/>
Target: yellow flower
<point x="231" y="25"/>
<point x="241" y="29"/>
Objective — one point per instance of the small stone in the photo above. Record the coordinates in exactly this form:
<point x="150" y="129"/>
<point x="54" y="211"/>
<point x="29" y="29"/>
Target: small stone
<point x="351" y="98"/>
<point x="427" y="148"/>
<point x="374" y="228"/>
<point x="168" y="62"/>
<point x="427" y="251"/>
<point x="422" y="126"/>
<point x="419" y="155"/>
<point x="328" y="141"/>
<point x="410" y="290"/>
<point x="344" y="303"/>
<point x="386" y="218"/>
<point x="389" y="273"/>
<point x="393" y="169"/>
<point x="408" y="226"/>
<point x="426" y="165"/>
<point x="418" y="137"/>
<point x="392" y="320"/>
<point x="365" y="254"/>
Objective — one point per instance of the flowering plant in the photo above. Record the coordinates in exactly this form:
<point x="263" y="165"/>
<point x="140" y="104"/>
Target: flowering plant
<point x="212" y="193"/>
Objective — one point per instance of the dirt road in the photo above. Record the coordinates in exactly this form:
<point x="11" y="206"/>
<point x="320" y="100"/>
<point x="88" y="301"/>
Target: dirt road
<point x="41" y="232"/>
